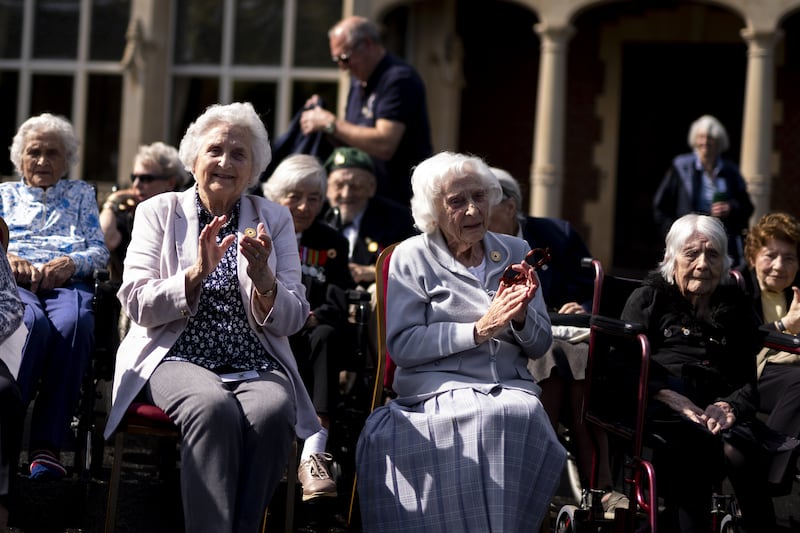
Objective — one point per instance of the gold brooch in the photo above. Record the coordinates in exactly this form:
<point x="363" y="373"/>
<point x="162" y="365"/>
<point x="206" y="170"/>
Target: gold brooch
<point x="372" y="246"/>
<point x="250" y="232"/>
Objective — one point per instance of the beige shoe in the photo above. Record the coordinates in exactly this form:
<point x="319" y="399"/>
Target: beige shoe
<point x="611" y="502"/>
<point x="315" y="477"/>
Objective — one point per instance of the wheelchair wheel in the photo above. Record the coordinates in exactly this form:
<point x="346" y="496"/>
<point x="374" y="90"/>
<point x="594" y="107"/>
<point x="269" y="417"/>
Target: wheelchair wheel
<point x="574" y="478"/>
<point x="565" y="523"/>
<point x="727" y="525"/>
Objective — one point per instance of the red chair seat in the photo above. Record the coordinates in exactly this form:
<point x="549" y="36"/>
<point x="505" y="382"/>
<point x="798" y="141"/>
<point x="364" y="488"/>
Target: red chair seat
<point x="143" y="414"/>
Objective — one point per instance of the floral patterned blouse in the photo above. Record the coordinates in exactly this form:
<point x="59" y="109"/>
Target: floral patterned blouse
<point x="11" y="308"/>
<point x="218" y="337"/>
<point x="62" y="220"/>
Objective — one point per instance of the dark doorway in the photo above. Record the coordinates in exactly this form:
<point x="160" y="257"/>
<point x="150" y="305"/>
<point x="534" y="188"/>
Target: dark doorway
<point x="665" y="87"/>
<point x="501" y="65"/>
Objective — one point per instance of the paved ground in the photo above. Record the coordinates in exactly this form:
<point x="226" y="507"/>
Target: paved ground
<point x="150" y="504"/>
<point x="149" y="501"/>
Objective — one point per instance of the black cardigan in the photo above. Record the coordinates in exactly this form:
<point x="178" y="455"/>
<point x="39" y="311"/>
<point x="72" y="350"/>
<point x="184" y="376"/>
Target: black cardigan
<point x="705" y="360"/>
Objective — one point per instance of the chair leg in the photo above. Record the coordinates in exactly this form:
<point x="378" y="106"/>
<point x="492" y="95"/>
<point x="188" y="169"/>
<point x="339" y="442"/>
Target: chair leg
<point x="113" y="483"/>
<point x="291" y="485"/>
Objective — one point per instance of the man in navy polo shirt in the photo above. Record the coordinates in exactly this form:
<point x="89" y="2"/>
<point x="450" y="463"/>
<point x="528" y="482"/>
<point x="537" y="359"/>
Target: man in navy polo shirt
<point x="387" y="114"/>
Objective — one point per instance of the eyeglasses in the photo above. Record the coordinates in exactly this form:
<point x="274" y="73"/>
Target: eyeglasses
<point x="147" y="178"/>
<point x="343" y="58"/>
<point x="536" y="258"/>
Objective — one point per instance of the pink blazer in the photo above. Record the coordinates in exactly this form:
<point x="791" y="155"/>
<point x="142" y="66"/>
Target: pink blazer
<point x="163" y="245"/>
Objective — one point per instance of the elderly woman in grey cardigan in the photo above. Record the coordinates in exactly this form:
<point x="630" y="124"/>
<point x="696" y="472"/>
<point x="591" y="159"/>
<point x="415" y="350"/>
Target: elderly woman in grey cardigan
<point x="467" y="445"/>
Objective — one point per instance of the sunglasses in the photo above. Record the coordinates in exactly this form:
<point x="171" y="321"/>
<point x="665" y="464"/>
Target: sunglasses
<point x="342" y="58"/>
<point x="537" y="258"/>
<point x="147" y="178"/>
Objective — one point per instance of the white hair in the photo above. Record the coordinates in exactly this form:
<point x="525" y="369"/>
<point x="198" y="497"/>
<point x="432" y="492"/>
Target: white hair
<point x="712" y="127"/>
<point x="45" y="123"/>
<point x="166" y="158"/>
<point x="235" y="114"/>
<point x="679" y="234"/>
<point x="430" y="177"/>
<point x="292" y="171"/>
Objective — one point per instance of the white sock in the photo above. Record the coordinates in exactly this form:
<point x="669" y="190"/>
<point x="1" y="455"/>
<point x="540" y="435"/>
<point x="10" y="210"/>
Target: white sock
<point x="314" y="444"/>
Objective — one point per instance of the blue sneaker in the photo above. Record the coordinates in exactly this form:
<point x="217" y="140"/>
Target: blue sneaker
<point x="45" y="466"/>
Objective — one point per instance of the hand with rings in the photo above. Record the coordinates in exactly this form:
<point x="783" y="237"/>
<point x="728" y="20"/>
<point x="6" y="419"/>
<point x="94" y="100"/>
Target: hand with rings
<point x="257" y="249"/>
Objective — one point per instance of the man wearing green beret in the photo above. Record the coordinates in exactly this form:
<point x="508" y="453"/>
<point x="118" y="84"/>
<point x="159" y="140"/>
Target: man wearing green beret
<point x="369" y="222"/>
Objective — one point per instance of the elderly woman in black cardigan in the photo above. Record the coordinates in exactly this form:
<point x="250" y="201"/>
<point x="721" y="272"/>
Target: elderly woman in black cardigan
<point x="702" y="380"/>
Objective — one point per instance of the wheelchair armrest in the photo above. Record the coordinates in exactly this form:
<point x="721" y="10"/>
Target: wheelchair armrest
<point x="578" y="320"/>
<point x="355" y="296"/>
<point x="781" y="341"/>
<point x="616" y="326"/>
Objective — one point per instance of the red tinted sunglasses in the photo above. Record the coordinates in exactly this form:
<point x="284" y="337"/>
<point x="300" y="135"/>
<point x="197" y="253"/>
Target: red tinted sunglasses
<point x="537" y="258"/>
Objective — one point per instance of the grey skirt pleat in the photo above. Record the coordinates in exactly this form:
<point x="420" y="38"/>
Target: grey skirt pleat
<point x="460" y="461"/>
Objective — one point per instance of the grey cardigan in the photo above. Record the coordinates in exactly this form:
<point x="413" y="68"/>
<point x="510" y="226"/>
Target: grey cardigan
<point x="433" y="302"/>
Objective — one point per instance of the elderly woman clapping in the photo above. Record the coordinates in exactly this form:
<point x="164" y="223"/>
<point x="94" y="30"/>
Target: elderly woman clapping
<point x="703" y="338"/>
<point x="466" y="445"/>
<point x="772" y="250"/>
<point x="56" y="243"/>
<point x="212" y="285"/>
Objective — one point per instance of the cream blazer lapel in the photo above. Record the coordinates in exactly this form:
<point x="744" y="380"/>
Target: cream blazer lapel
<point x="186" y="229"/>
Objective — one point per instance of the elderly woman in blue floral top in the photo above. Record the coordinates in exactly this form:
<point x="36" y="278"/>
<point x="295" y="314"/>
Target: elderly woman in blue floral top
<point x="11" y="410"/>
<point x="55" y="245"/>
<point x="212" y="284"/>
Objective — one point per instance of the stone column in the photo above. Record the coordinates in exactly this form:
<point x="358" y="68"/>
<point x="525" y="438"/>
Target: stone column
<point x="757" y="127"/>
<point x="144" y="85"/>
<point x="547" y="169"/>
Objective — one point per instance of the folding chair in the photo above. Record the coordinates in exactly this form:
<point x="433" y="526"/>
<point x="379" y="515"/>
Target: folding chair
<point x="89" y="440"/>
<point x="139" y="419"/>
<point x="149" y="420"/>
<point x="382" y="360"/>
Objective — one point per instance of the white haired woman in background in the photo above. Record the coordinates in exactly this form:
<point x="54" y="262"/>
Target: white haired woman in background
<point x="56" y="244"/>
<point x="705" y="183"/>
<point x="324" y="344"/>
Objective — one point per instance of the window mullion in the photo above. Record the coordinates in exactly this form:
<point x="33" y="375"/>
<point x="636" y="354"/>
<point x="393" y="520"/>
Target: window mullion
<point x="80" y="82"/>
<point x="25" y="81"/>
<point x="228" y="29"/>
<point x="285" y="80"/>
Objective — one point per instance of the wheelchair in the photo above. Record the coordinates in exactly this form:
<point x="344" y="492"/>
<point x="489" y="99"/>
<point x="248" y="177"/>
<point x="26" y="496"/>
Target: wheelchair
<point x="87" y="420"/>
<point x="617" y="374"/>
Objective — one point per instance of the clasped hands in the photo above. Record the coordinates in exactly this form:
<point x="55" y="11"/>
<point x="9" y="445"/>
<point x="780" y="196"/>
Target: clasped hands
<point x="716" y="417"/>
<point x="256" y="249"/>
<point x="54" y="273"/>
<point x="509" y="305"/>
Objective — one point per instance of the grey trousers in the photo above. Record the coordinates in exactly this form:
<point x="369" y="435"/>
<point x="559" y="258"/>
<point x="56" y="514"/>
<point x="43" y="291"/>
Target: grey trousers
<point x="235" y="442"/>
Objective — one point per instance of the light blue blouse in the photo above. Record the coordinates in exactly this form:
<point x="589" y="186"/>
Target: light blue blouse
<point x="62" y="220"/>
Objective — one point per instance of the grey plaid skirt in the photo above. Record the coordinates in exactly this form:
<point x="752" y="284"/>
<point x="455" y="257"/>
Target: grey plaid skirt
<point x="458" y="462"/>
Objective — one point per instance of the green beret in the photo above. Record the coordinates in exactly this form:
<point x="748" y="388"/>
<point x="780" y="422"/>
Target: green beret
<point x="347" y="157"/>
